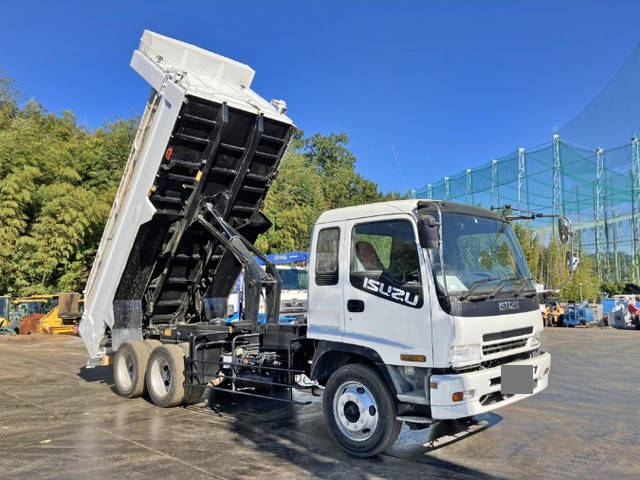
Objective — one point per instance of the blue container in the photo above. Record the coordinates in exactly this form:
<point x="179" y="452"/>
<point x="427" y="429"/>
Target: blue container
<point x="608" y="304"/>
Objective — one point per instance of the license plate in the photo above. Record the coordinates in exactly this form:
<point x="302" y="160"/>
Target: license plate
<point x="516" y="379"/>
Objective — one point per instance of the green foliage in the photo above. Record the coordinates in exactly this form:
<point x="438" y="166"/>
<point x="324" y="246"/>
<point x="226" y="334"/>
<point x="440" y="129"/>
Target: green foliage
<point x="612" y="288"/>
<point x="57" y="182"/>
<point x="548" y="265"/>
<point x="317" y="173"/>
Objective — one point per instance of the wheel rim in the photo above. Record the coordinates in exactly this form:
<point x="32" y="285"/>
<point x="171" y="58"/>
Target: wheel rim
<point x="126" y="370"/>
<point x="160" y="373"/>
<point x="355" y="411"/>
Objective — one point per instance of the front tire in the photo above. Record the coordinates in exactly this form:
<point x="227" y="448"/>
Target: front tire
<point x="360" y="411"/>
<point x="165" y="376"/>
<point x="129" y="367"/>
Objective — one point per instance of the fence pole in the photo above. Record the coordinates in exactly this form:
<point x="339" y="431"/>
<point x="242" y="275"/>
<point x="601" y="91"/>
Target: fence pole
<point x="635" y="208"/>
<point x="523" y="188"/>
<point x="557" y="195"/>
<point x="601" y="215"/>
<point x="469" y="189"/>
<point x="495" y="194"/>
<point x="596" y="230"/>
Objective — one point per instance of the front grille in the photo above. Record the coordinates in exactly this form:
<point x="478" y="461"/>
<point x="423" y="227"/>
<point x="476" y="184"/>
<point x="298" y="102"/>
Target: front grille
<point x="293" y="306"/>
<point x="504" y="346"/>
<point x="517" y="332"/>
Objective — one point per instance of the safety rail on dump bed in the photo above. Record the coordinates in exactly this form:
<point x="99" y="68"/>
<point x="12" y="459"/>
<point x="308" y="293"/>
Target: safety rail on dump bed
<point x="204" y="157"/>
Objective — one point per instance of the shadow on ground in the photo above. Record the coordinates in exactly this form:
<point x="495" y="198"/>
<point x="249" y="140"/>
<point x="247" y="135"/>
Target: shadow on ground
<point x="99" y="374"/>
<point x="287" y="431"/>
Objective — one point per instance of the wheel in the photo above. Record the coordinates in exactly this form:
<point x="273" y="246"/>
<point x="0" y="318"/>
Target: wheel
<point x="165" y="376"/>
<point x="360" y="411"/>
<point x="195" y="395"/>
<point x="151" y="343"/>
<point x="129" y="366"/>
<point x="191" y="394"/>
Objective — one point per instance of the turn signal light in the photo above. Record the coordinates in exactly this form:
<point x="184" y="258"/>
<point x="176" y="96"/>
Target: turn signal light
<point x="405" y="357"/>
<point x="167" y="332"/>
<point x="466" y="395"/>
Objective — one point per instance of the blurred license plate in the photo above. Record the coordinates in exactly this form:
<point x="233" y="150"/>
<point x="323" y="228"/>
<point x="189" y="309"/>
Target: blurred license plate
<point x="516" y="379"/>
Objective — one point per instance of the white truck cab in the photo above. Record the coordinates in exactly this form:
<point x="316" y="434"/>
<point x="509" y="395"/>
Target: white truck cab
<point x="444" y="320"/>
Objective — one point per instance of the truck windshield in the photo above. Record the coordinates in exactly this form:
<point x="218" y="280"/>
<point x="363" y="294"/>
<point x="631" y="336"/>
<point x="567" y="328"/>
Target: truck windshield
<point x="482" y="257"/>
<point x="293" y="278"/>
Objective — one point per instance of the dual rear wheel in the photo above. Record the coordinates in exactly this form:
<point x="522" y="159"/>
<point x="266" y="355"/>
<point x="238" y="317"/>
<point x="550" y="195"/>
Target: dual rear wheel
<point x="155" y="368"/>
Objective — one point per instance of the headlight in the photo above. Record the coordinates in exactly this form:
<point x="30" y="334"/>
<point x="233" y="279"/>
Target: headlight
<point x="536" y="340"/>
<point x="466" y="354"/>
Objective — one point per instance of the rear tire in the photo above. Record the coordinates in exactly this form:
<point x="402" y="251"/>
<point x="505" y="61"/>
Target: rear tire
<point x="129" y="367"/>
<point x="151" y="343"/>
<point x="165" y="376"/>
<point x="360" y="411"/>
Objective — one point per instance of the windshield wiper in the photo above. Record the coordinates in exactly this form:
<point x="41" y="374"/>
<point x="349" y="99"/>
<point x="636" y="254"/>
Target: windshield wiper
<point x="499" y="287"/>
<point x="527" y="292"/>
<point x="502" y="283"/>
<point x="475" y="285"/>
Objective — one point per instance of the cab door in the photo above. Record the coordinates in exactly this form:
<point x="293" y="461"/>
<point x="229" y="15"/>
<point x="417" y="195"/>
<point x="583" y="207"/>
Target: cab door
<point x="326" y="277"/>
<point x="385" y="289"/>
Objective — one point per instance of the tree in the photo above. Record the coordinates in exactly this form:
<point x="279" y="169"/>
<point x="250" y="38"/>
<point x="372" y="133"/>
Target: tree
<point x="57" y="183"/>
<point x="317" y="174"/>
<point x="58" y="180"/>
<point x="548" y="265"/>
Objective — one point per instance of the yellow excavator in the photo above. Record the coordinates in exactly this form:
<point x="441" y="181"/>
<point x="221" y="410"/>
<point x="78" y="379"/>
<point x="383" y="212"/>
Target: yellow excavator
<point x="4" y="310"/>
<point x="19" y="309"/>
<point x="62" y="319"/>
<point x="55" y="314"/>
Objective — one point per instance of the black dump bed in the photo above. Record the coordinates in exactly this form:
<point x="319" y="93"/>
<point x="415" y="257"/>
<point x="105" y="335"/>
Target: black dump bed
<point x="217" y="156"/>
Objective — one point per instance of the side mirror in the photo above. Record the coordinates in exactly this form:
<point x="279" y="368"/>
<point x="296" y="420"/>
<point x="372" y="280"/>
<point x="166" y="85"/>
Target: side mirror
<point x="573" y="260"/>
<point x="565" y="229"/>
<point x="428" y="232"/>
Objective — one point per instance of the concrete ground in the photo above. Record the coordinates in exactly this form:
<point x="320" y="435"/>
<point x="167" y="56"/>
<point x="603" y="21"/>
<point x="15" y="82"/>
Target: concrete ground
<point x="59" y="420"/>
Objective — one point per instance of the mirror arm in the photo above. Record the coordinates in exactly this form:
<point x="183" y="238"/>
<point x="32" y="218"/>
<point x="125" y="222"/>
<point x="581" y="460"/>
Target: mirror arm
<point x="425" y="203"/>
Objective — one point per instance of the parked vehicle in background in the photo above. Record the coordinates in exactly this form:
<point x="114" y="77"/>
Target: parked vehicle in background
<point x="26" y="310"/>
<point x="4" y="310"/>
<point x="293" y="297"/>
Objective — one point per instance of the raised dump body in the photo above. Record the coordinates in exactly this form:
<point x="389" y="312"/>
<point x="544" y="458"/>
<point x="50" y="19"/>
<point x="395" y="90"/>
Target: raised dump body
<point x="204" y="157"/>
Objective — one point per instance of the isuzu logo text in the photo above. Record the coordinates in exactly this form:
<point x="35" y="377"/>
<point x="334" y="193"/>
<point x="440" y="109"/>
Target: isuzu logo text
<point x="395" y="293"/>
<point x="508" y="305"/>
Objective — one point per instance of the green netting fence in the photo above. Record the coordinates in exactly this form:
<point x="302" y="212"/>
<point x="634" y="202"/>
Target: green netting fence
<point x="598" y="189"/>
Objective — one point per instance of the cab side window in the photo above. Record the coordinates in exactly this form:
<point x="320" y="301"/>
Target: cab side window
<point x="386" y="249"/>
<point x="385" y="262"/>
<point x="327" y="249"/>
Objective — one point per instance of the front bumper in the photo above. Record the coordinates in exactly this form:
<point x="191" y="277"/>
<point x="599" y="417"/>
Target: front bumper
<point x="485" y="385"/>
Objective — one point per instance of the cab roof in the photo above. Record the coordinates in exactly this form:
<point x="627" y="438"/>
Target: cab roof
<point x="401" y="206"/>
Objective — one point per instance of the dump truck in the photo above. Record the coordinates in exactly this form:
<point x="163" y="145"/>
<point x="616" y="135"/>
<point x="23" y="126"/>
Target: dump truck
<point x="418" y="310"/>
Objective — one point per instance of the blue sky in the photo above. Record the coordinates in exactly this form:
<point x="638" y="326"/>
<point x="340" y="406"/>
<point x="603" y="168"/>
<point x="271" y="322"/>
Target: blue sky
<point x="446" y="84"/>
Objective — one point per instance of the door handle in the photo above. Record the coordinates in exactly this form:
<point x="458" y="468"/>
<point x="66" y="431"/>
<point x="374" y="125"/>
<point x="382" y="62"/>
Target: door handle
<point x="355" y="305"/>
